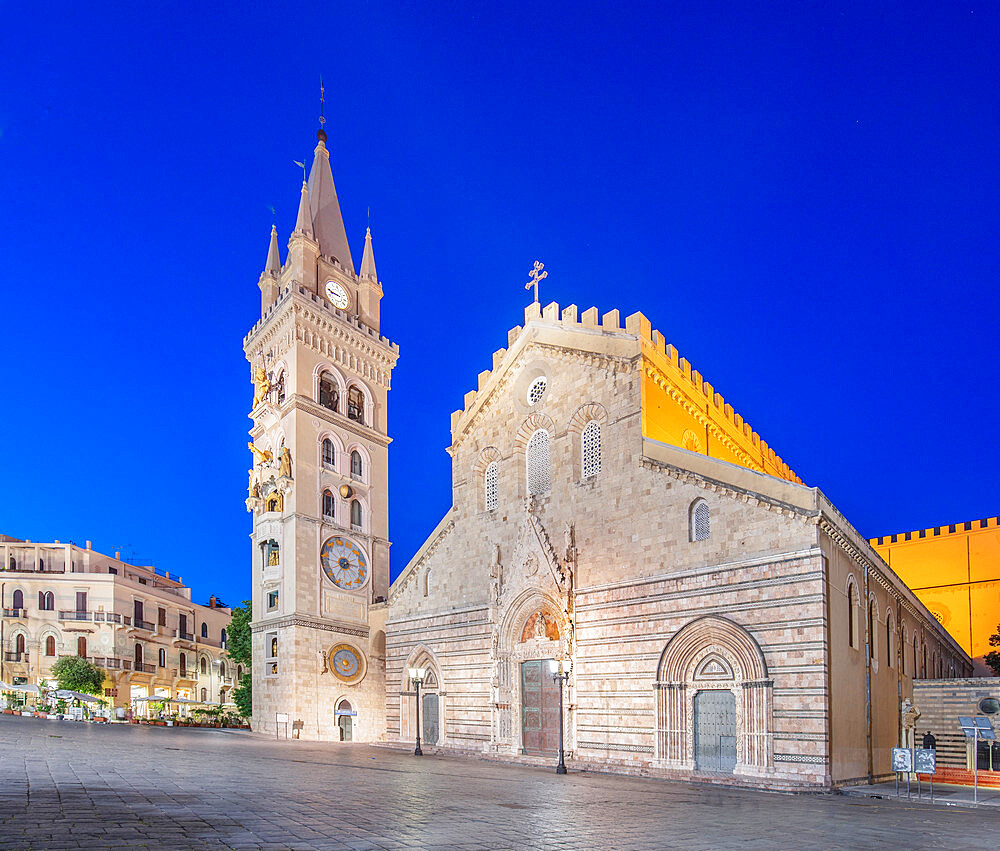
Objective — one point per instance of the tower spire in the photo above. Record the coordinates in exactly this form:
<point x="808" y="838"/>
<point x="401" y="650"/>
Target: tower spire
<point x="368" y="260"/>
<point x="303" y="221"/>
<point x="321" y="133"/>
<point x="273" y="264"/>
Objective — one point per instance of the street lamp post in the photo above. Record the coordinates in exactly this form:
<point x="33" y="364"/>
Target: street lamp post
<point x="417" y="677"/>
<point x="559" y="675"/>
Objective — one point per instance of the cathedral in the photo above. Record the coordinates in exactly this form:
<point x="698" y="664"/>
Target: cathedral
<point x="613" y="519"/>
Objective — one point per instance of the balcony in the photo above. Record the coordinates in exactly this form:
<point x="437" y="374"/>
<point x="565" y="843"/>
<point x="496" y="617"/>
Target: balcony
<point x="226" y="681"/>
<point x="112" y="663"/>
<point x="141" y="624"/>
<point x="76" y="616"/>
<point x="211" y="642"/>
<point x="107" y="617"/>
<point x="184" y="636"/>
<point x="15" y="613"/>
<point x="14" y="656"/>
<point x="144" y="668"/>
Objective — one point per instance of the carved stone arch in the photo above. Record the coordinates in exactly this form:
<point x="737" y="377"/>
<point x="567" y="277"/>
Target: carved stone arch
<point x="713" y="652"/>
<point x="486" y="457"/>
<point x="318" y="370"/>
<point x="584" y="414"/>
<point x="525" y="605"/>
<point x="531" y="424"/>
<point x="421" y="656"/>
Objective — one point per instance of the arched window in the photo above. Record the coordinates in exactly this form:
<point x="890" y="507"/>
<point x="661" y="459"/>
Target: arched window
<point x="923" y="664"/>
<point x="50" y="646"/>
<point x="329" y="392"/>
<point x="355" y="515"/>
<point x="19" y="646"/>
<point x="537" y="461"/>
<point x="356" y="404"/>
<point x="162" y="660"/>
<point x="204" y="695"/>
<point x="204" y="630"/>
<point x="329" y="454"/>
<point x="222" y="667"/>
<point x="281" y="388"/>
<point x="700" y="521"/>
<point x="18" y="601"/>
<point x="902" y="649"/>
<point x="204" y="665"/>
<point x="427" y="582"/>
<point x="239" y="672"/>
<point x="591" y="449"/>
<point x="274" y="647"/>
<point x="852" y="620"/>
<point x="223" y="638"/>
<point x="357" y="466"/>
<point x="491" y="485"/>
<point x="872" y="620"/>
<point x="184" y="665"/>
<point x="137" y="657"/>
<point x="329" y="506"/>
<point x="915" y="669"/>
<point x="46" y="601"/>
<point x="889" y="643"/>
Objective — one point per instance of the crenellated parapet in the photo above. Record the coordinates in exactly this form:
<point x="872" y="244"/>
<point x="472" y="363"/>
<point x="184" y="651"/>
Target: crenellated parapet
<point x="679" y="406"/>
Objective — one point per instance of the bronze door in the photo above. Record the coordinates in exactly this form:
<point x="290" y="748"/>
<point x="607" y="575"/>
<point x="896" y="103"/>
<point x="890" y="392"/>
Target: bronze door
<point x="715" y="731"/>
<point x="539" y="709"/>
<point x="429" y="717"/>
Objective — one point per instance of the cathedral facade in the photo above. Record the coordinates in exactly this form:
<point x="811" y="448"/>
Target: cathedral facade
<point x="611" y="514"/>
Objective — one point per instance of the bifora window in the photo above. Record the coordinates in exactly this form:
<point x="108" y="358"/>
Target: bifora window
<point x="329" y="393"/>
<point x="700" y="521"/>
<point x="537" y="461"/>
<point x="536" y="390"/>
<point x="591" y="449"/>
<point x="491" y="485"/>
<point x="329" y="454"/>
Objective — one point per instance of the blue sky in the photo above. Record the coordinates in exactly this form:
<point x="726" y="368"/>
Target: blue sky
<point x="801" y="197"/>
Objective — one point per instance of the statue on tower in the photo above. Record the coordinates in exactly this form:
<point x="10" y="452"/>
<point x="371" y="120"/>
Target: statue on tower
<point x="285" y="462"/>
<point x="261" y="385"/>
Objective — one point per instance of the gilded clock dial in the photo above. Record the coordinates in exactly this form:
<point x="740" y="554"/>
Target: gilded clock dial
<point x="337" y="295"/>
<point x="347" y="663"/>
<point x="344" y="563"/>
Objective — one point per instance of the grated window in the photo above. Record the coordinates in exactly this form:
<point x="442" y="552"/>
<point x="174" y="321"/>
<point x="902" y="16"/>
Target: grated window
<point x="700" y="527"/>
<point x="592" y="449"/>
<point x="536" y="390"/>
<point x="491" y="484"/>
<point x="538" y="462"/>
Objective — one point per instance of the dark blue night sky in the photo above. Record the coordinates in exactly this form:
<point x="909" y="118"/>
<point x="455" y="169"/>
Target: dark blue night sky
<point x="802" y="197"/>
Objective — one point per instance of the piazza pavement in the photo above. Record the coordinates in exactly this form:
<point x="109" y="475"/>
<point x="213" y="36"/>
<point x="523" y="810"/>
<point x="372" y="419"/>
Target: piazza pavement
<point x="73" y="785"/>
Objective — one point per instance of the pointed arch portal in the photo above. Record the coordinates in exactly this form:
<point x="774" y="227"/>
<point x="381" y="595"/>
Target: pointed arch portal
<point x="713" y="700"/>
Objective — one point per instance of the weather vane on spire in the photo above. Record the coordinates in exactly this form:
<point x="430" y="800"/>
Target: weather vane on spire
<point x="322" y="102"/>
<point x="536" y="275"/>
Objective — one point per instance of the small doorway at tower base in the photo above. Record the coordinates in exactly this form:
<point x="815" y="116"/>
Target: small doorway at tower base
<point x="345" y="721"/>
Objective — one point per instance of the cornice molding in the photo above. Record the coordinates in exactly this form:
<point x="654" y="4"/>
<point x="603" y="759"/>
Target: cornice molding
<point x="286" y="621"/>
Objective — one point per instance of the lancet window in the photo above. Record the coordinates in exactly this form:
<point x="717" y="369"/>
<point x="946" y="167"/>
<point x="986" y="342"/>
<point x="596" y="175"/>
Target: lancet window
<point x="537" y="462"/>
<point x="491" y="486"/>
<point x="591" y="447"/>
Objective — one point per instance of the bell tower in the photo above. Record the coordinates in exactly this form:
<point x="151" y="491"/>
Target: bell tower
<point x="318" y="484"/>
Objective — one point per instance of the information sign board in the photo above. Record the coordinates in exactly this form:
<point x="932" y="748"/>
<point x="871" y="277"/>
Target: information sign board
<point x="902" y="760"/>
<point x="925" y="761"/>
<point x="281" y="717"/>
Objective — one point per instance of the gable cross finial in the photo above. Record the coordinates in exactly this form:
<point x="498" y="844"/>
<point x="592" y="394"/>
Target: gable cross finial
<point x="536" y="275"/>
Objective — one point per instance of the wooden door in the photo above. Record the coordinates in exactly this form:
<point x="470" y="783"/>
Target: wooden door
<point x="429" y="718"/>
<point x="539" y="709"/>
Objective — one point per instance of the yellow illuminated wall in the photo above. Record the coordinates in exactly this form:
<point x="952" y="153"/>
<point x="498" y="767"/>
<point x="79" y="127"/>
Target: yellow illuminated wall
<point x="680" y="408"/>
<point x="955" y="571"/>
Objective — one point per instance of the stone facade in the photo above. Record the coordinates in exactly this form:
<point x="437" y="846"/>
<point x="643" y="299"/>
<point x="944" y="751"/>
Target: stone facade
<point x="137" y="623"/>
<point x="691" y="596"/>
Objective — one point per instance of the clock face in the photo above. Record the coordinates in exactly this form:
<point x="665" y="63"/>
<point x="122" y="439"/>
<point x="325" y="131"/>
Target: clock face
<point x="344" y="563"/>
<point x="346" y="663"/>
<point x="337" y="295"/>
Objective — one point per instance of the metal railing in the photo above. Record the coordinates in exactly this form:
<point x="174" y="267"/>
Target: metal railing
<point x="149" y="626"/>
<point x="15" y="613"/>
<point x="145" y="668"/>
<point x="75" y="616"/>
<point x="14" y="656"/>
<point x="209" y="641"/>
<point x="107" y="617"/>
<point x="186" y="636"/>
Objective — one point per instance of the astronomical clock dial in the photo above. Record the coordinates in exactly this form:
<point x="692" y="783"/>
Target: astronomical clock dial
<point x="344" y="563"/>
<point x="337" y="295"/>
<point x="347" y="663"/>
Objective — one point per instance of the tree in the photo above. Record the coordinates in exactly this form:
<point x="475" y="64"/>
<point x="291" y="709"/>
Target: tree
<point x="993" y="657"/>
<point x="240" y="650"/>
<point x="239" y="643"/>
<point x="77" y="674"/>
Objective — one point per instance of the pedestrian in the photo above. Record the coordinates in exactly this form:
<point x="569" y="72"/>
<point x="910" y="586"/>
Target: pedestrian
<point x="929" y="743"/>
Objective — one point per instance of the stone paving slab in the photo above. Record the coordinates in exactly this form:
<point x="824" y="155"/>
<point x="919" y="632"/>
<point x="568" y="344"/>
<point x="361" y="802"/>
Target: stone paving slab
<point x="949" y="794"/>
<point x="68" y="785"/>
